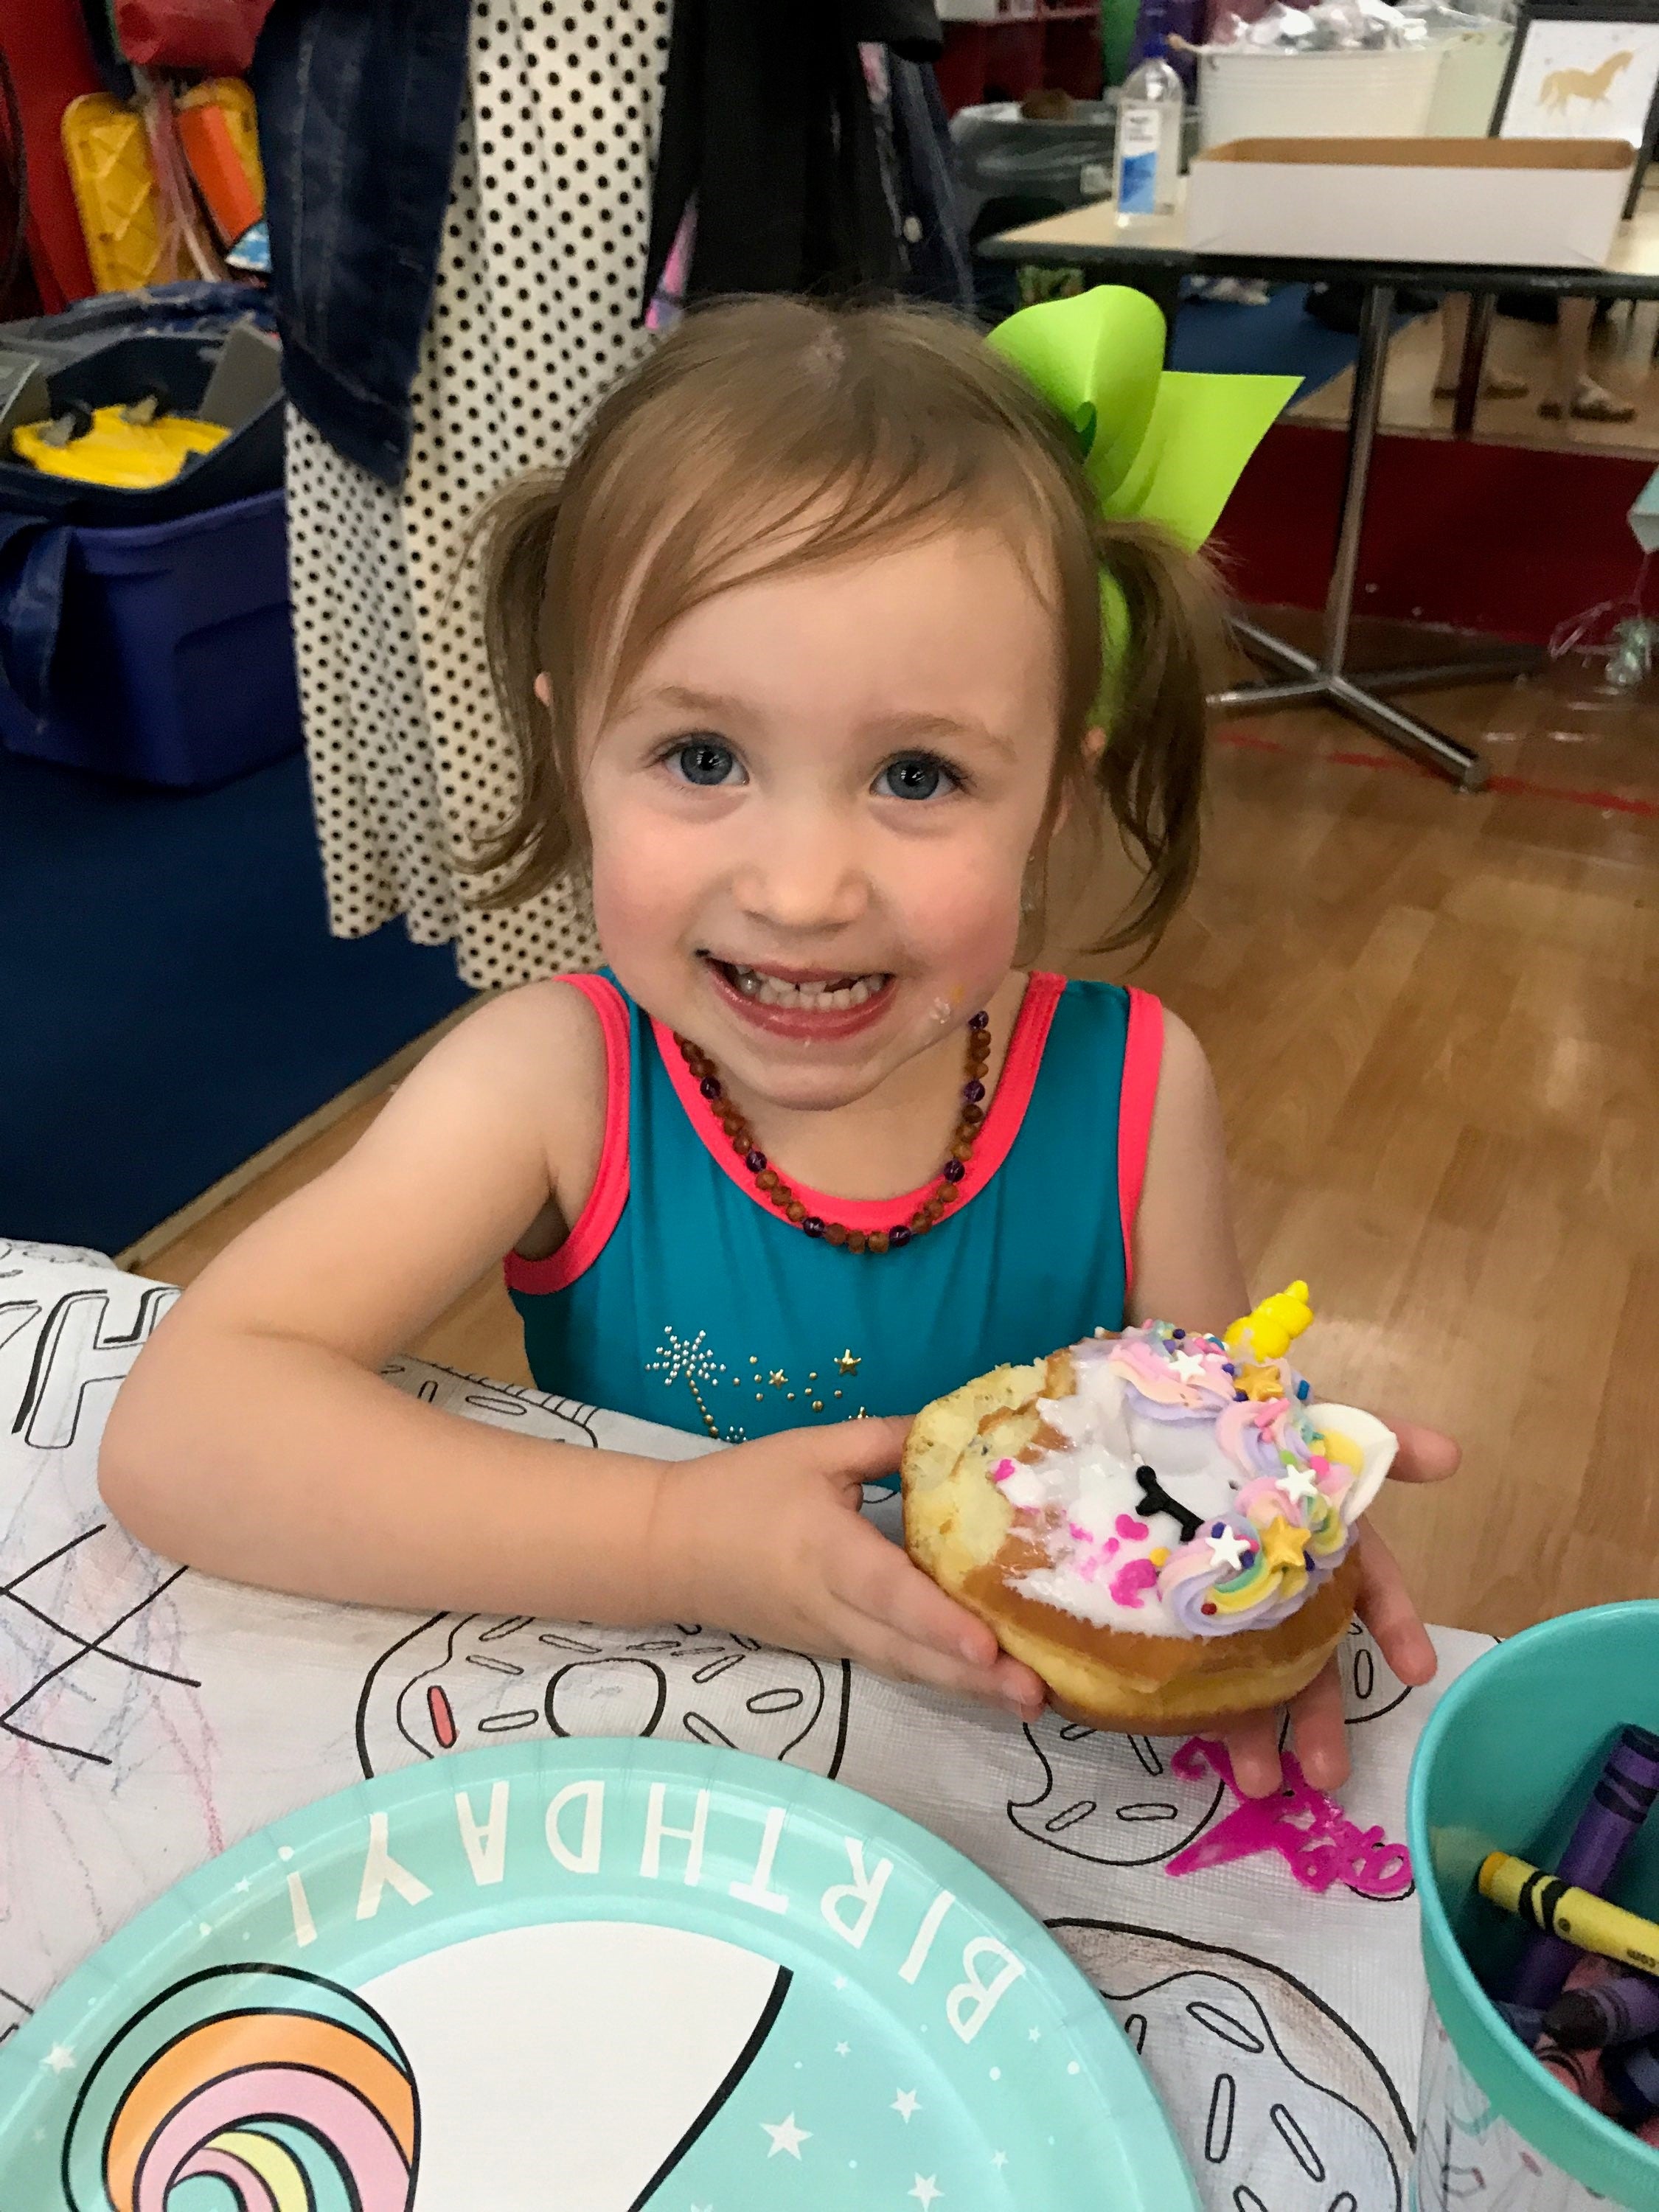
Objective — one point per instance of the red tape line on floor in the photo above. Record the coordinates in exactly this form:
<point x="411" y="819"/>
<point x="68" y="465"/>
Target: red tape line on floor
<point x="1510" y="787"/>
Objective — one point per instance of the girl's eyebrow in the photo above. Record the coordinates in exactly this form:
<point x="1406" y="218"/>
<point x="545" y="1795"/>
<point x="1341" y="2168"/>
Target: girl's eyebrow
<point x="917" y="728"/>
<point x="683" y="699"/>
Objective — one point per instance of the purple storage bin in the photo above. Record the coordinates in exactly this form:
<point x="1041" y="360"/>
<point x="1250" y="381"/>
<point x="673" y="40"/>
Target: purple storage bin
<point x="175" y="657"/>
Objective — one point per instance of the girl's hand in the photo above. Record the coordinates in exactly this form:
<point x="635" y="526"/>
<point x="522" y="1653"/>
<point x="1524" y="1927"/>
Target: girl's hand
<point x="1318" y="1734"/>
<point x="768" y="1538"/>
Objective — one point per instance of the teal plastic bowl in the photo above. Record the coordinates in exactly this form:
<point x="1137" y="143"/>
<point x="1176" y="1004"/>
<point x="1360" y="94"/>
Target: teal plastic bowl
<point x="1506" y="1764"/>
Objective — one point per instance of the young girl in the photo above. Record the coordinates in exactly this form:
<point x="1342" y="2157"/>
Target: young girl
<point x="804" y="653"/>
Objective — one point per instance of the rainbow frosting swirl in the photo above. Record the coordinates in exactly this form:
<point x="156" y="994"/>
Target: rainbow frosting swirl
<point x="1198" y="1492"/>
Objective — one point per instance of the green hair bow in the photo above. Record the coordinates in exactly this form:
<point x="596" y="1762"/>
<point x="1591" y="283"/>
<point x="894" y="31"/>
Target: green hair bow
<point x="1158" y="443"/>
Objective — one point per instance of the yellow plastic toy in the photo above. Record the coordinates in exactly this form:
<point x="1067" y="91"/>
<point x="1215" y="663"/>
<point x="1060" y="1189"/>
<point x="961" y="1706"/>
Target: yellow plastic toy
<point x="1269" y="1331"/>
<point x="131" y="449"/>
<point x="108" y="153"/>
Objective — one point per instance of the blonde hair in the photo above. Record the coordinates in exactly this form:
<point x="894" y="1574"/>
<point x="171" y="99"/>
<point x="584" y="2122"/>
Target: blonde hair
<point x="771" y="435"/>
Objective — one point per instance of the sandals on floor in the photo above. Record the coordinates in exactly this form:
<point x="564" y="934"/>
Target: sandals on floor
<point x="1591" y="403"/>
<point x="1497" y="384"/>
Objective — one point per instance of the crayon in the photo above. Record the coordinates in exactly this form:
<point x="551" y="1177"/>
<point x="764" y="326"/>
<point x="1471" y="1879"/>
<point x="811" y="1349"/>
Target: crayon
<point x="1632" y="2078"/>
<point x="1623" y="1796"/>
<point x="1528" y="2024"/>
<point x="1581" y="2071"/>
<point x="1622" y="2010"/>
<point x="1577" y="1916"/>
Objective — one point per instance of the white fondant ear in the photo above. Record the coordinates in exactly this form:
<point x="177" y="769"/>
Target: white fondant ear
<point x="1378" y="1445"/>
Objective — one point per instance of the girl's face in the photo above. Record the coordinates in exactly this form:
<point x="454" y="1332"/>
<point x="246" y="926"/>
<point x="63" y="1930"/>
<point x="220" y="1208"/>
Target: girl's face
<point x="811" y="814"/>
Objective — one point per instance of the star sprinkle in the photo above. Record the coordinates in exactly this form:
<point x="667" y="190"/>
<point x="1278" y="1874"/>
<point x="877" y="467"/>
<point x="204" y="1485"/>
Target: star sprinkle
<point x="1298" y="1484"/>
<point x="786" y="2136"/>
<point x="1228" y="1550"/>
<point x="60" y="2058"/>
<point x="842" y="2049"/>
<point x="927" y="2190"/>
<point x="999" y="2159"/>
<point x="848" y="1362"/>
<point x="905" y="2104"/>
<point x="1188" y="1365"/>
<point x="1283" y="1546"/>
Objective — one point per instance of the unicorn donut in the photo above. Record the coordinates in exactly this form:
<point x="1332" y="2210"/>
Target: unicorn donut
<point x="1161" y="1523"/>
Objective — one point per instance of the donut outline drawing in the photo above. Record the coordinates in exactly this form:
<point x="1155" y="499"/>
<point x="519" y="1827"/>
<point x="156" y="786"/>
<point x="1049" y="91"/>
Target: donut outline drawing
<point x="1370" y="1688"/>
<point x="1122" y="1780"/>
<point x="1341" y="2140"/>
<point x="457" y="1679"/>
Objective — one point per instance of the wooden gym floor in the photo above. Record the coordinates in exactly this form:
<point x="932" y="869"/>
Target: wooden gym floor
<point x="1434" y="1021"/>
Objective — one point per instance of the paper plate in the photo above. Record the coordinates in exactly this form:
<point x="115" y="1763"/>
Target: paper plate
<point x="583" y="1977"/>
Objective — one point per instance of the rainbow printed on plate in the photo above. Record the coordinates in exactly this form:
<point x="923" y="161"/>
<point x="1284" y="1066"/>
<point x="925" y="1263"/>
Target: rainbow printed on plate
<point x="1197" y="1490"/>
<point x="290" y="2092"/>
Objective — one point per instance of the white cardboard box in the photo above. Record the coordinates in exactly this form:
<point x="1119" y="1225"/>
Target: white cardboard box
<point x="1518" y="202"/>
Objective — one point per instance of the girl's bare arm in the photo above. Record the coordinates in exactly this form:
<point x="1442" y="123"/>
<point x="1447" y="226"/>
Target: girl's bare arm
<point x="256" y="1439"/>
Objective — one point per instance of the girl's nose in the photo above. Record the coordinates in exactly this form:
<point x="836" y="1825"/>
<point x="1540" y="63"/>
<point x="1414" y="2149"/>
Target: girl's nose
<point x="802" y="871"/>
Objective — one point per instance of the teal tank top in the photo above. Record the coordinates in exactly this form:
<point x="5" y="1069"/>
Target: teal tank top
<point x="680" y="1296"/>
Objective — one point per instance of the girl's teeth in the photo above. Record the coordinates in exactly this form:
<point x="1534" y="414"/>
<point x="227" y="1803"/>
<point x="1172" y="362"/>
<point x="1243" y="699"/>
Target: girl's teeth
<point x="773" y="991"/>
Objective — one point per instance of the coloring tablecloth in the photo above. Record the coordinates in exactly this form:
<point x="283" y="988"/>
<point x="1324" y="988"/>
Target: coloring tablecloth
<point x="150" y="1716"/>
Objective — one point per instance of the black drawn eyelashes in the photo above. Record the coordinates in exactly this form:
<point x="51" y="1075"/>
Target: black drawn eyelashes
<point x="1155" y="1498"/>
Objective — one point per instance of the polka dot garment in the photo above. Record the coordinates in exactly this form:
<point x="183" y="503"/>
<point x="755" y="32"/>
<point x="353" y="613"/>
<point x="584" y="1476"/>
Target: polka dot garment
<point x="534" y="317"/>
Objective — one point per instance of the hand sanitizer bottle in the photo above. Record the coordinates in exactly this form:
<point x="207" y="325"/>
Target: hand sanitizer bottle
<point x="1148" y="160"/>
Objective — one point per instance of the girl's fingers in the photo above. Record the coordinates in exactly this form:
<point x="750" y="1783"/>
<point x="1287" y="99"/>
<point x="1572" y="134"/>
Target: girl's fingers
<point x="1424" y="1455"/>
<point x="1319" y="1733"/>
<point x="881" y="1582"/>
<point x="1253" y="1743"/>
<point x="855" y="1452"/>
<point x="890" y="1652"/>
<point x="893" y="1606"/>
<point x="1385" y="1606"/>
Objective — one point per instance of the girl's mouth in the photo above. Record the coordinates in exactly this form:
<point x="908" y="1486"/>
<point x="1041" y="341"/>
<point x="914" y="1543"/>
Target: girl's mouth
<point x="801" y="1003"/>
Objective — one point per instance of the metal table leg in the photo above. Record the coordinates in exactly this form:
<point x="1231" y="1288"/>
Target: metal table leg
<point x="1477" y="336"/>
<point x="1327" y="680"/>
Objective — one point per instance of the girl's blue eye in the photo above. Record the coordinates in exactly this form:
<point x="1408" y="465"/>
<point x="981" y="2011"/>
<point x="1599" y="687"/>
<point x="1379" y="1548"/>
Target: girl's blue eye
<point x="916" y="775"/>
<point x="705" y="762"/>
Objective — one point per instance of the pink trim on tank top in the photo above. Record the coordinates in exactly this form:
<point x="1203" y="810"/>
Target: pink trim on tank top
<point x="1001" y="1126"/>
<point x="605" y="1201"/>
<point x="1143" y="1062"/>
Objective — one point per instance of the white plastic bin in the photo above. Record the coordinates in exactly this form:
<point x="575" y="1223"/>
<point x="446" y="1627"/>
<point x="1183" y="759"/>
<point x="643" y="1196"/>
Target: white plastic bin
<point x="1245" y="94"/>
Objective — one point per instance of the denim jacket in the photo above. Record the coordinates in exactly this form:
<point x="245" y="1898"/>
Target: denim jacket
<point x="360" y="101"/>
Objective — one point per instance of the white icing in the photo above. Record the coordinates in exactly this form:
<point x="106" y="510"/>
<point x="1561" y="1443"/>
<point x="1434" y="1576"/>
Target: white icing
<point x="1090" y="1486"/>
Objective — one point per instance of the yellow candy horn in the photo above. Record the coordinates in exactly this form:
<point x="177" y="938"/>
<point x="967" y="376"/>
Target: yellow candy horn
<point x="1269" y="1331"/>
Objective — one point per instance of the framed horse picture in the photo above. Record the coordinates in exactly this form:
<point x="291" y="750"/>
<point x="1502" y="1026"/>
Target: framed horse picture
<point x="1584" y="68"/>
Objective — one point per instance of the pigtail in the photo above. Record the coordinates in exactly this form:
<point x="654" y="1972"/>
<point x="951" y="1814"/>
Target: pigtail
<point x="1149" y="773"/>
<point x="512" y="533"/>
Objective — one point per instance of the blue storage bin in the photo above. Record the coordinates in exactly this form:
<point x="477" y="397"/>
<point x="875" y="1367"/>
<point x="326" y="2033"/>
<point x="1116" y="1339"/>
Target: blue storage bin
<point x="172" y="662"/>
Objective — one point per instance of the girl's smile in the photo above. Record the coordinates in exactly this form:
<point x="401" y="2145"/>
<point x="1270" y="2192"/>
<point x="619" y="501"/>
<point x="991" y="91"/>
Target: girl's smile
<point x="807" y="1004"/>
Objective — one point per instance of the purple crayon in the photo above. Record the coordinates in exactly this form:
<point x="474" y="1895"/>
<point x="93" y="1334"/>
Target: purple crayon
<point x="1622" y="2010"/>
<point x="1623" y="1796"/>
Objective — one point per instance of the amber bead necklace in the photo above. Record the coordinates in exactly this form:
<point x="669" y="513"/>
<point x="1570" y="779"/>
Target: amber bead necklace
<point x="777" y="1191"/>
